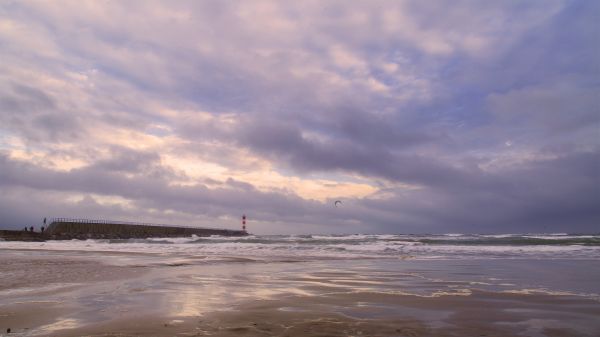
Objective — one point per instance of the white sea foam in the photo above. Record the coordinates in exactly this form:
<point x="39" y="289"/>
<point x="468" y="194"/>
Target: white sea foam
<point x="448" y="246"/>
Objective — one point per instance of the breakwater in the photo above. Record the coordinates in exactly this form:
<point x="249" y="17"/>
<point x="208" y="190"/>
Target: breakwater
<point x="21" y="235"/>
<point x="83" y="229"/>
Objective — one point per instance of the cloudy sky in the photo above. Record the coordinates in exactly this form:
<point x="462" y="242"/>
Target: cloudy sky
<point x="420" y="116"/>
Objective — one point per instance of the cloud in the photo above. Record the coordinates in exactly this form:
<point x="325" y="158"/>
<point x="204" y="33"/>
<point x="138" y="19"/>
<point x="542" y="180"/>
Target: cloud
<point x="550" y="110"/>
<point x="195" y="112"/>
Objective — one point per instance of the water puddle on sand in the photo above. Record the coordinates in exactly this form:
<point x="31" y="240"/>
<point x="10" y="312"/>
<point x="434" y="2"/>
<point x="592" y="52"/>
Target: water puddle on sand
<point x="24" y="291"/>
<point x="537" y="327"/>
<point x="434" y="318"/>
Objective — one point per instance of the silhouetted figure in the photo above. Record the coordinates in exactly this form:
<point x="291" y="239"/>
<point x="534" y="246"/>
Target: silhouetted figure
<point x="8" y="330"/>
<point x="25" y="228"/>
<point x="31" y="228"/>
<point x="42" y="229"/>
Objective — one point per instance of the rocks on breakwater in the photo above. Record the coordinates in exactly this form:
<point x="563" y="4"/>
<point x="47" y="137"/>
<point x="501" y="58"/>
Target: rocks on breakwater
<point x="81" y="230"/>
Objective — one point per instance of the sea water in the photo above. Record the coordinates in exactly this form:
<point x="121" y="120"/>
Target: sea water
<point x="356" y="246"/>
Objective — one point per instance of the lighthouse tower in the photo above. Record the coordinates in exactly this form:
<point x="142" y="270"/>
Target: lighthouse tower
<point x="244" y="222"/>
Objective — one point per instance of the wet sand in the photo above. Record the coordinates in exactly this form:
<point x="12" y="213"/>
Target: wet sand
<point x="46" y="294"/>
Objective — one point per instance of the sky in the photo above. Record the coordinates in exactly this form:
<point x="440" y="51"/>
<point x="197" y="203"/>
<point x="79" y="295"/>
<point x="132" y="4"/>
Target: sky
<point x="419" y="116"/>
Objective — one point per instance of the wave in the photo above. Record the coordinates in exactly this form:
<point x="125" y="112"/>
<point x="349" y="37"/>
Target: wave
<point x="444" y="239"/>
<point x="378" y="240"/>
<point x="517" y="241"/>
<point x="307" y="247"/>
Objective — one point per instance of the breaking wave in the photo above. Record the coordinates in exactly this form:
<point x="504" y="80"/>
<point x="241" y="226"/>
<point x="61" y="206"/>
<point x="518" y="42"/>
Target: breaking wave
<point x="310" y="247"/>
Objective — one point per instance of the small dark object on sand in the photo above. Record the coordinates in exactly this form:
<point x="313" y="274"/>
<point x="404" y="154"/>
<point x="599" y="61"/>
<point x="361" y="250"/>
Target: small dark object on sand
<point x="8" y="330"/>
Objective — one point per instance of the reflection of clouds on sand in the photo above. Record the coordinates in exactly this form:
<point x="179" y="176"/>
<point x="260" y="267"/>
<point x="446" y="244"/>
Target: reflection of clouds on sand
<point x="196" y="293"/>
<point x="61" y="324"/>
<point x="192" y="298"/>
<point x="196" y="290"/>
<point x="188" y="304"/>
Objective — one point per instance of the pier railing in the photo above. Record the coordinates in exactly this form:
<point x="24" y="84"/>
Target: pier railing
<point x="118" y="222"/>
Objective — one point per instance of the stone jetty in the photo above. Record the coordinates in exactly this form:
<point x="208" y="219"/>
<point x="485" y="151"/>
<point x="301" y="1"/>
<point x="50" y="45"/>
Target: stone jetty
<point x="83" y="229"/>
<point x="14" y="235"/>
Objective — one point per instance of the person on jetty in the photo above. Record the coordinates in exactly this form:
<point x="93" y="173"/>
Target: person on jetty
<point x="25" y="229"/>
<point x="31" y="228"/>
<point x="42" y="229"/>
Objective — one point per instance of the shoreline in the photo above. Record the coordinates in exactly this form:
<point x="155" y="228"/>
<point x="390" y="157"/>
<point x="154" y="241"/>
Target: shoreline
<point x="66" y="295"/>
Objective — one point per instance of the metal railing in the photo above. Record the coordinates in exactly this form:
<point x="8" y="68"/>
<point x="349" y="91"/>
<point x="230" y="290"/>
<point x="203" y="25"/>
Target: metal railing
<point x="117" y="222"/>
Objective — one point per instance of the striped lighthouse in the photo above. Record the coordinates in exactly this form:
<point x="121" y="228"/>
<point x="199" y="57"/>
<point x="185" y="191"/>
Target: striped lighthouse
<point x="244" y="222"/>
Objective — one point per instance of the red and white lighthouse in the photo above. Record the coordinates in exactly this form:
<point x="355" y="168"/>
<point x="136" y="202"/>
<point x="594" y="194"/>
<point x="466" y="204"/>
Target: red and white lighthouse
<point x="244" y="222"/>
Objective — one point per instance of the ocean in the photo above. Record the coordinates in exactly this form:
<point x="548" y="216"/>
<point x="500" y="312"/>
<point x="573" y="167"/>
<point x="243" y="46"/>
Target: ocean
<point x="512" y="284"/>
<point x="356" y="246"/>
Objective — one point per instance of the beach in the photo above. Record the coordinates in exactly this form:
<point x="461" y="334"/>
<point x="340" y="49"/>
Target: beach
<point x="313" y="168"/>
<point x="194" y="288"/>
